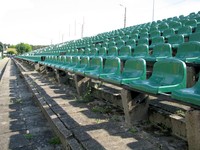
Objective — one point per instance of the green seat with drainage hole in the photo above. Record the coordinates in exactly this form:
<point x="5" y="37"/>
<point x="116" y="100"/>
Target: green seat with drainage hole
<point x="134" y="69"/>
<point x="94" y="68"/>
<point x="168" y="75"/>
<point x="188" y="95"/>
<point x="111" y="66"/>
<point x="160" y="51"/>
<point x="189" y="51"/>
<point x="79" y="69"/>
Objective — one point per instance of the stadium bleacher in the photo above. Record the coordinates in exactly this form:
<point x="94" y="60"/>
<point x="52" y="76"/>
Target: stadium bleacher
<point x="121" y="57"/>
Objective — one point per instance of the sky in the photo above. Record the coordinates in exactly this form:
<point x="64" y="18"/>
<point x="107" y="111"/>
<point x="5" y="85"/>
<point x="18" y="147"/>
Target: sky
<point x="44" y="22"/>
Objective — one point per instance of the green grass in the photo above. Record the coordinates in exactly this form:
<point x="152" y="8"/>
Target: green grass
<point x="133" y="130"/>
<point x="54" y="141"/>
<point x="101" y="109"/>
<point x="28" y="136"/>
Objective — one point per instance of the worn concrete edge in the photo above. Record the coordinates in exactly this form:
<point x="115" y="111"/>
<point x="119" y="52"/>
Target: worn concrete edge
<point x="2" y="72"/>
<point x="66" y="137"/>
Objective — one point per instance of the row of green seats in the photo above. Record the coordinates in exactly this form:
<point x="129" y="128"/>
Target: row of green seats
<point x="169" y="75"/>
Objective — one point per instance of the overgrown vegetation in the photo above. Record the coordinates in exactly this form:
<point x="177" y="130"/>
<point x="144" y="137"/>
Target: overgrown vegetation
<point x="54" y="141"/>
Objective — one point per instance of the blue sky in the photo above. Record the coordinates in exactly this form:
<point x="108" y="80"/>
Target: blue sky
<point x="53" y="21"/>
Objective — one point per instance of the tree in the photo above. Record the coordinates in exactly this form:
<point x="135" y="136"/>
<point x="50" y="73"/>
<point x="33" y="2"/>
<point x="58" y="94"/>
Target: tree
<point x="23" y="48"/>
<point x="11" y="51"/>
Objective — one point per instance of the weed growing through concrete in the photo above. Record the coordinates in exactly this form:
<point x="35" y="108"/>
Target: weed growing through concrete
<point x="133" y="130"/>
<point x="180" y="113"/>
<point x="54" y="141"/>
<point x="28" y="136"/>
<point x="100" y="109"/>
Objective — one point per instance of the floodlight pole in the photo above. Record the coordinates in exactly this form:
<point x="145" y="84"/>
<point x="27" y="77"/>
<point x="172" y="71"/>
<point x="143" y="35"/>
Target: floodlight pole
<point x="82" y="27"/>
<point x="153" y="10"/>
<point x="124" y="14"/>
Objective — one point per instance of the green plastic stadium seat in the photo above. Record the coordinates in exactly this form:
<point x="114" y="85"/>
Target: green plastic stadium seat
<point x="156" y="41"/>
<point x="134" y="36"/>
<point x="111" y="66"/>
<point x="112" y="52"/>
<point x="103" y="52"/>
<point x="168" y="75"/>
<point x="94" y="68"/>
<point x="120" y="44"/>
<point x="144" y="35"/>
<point x="111" y="44"/>
<point x="176" y="40"/>
<point x="168" y="32"/>
<point x="132" y="43"/>
<point x="67" y="62"/>
<point x="79" y="69"/>
<point x="126" y="38"/>
<point x="192" y="23"/>
<point x="143" y="41"/>
<point x="185" y="31"/>
<point x="141" y="51"/>
<point x="175" y="25"/>
<point x="160" y="51"/>
<point x="134" y="69"/>
<point x="162" y="27"/>
<point x="188" y="95"/>
<point x="75" y="61"/>
<point x="197" y="30"/>
<point x="125" y="53"/>
<point x="189" y="51"/>
<point x="154" y="34"/>
<point x="94" y="52"/>
<point x="194" y="37"/>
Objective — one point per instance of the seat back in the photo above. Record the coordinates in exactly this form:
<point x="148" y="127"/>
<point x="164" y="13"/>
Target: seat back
<point x="135" y="68"/>
<point x="168" y="32"/>
<point x="143" y="41"/>
<point x="94" y="52"/>
<point x="111" y="44"/>
<point x="131" y="43"/>
<point x="154" y="34"/>
<point x="162" y="50"/>
<point x="194" y="37"/>
<point x="144" y="35"/>
<point x="112" y="65"/>
<point x="163" y="26"/>
<point x="169" y="72"/>
<point x="141" y="50"/>
<point x="176" y="39"/>
<point x="103" y="51"/>
<point x="125" y="51"/>
<point x="113" y="51"/>
<point x="186" y="30"/>
<point x="192" y="23"/>
<point x="157" y="40"/>
<point x="84" y="61"/>
<point x="188" y="50"/>
<point x="87" y="52"/>
<point x="120" y="43"/>
<point x="175" y="25"/>
<point x="96" y="63"/>
<point x="75" y="60"/>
